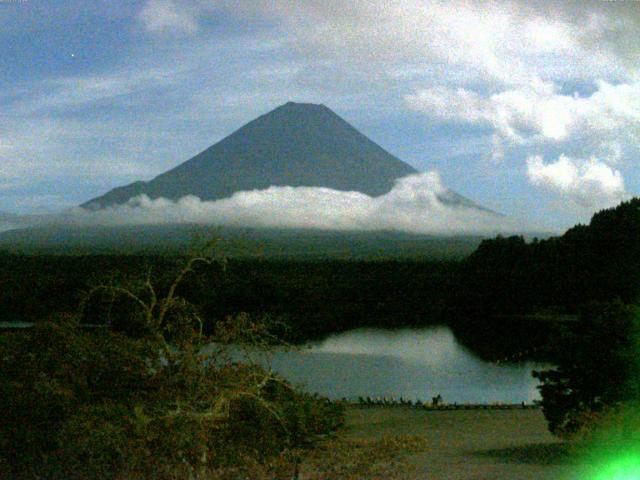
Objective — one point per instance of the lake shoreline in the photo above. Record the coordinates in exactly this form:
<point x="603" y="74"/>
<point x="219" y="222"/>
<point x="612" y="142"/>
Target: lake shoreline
<point x="445" y="407"/>
<point x="407" y="365"/>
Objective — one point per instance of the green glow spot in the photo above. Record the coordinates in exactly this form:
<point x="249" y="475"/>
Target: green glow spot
<point x="623" y="468"/>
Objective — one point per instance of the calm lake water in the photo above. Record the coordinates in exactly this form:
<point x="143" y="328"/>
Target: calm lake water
<point x="412" y="363"/>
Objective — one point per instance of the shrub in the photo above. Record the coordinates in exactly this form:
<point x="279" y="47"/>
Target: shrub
<point x="157" y="401"/>
<point x="597" y="368"/>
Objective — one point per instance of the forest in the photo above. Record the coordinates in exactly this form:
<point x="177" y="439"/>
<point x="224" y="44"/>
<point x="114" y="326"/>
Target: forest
<point x="595" y="262"/>
<point x="313" y="297"/>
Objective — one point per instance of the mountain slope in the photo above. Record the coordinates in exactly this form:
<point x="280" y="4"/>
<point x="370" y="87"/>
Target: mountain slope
<point x="7" y="217"/>
<point x="9" y="221"/>
<point x="237" y="242"/>
<point x="296" y="145"/>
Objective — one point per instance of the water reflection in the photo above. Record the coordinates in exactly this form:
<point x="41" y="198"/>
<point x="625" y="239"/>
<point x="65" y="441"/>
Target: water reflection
<point x="412" y="363"/>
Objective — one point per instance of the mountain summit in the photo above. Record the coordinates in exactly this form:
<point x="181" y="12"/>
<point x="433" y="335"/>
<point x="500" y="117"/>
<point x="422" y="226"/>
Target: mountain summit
<point x="297" y="144"/>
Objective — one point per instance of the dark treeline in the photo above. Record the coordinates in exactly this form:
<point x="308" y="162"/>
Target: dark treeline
<point x="313" y="298"/>
<point x="34" y="287"/>
<point x="595" y="262"/>
<point x="317" y="298"/>
<point x="513" y="295"/>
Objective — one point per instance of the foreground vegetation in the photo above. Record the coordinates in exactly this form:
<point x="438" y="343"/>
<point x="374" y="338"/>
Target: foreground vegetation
<point x="595" y="382"/>
<point x="144" y="398"/>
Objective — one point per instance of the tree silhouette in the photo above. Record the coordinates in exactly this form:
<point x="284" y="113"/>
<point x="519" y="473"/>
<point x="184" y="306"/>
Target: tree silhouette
<point x="597" y="367"/>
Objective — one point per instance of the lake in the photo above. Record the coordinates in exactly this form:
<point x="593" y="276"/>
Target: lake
<point x="412" y="363"/>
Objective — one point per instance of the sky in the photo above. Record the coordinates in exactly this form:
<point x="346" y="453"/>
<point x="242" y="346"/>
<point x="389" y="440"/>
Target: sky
<point x="528" y="108"/>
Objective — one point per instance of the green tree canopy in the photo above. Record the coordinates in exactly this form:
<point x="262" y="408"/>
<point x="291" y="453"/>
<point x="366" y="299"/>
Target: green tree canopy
<point x="597" y="366"/>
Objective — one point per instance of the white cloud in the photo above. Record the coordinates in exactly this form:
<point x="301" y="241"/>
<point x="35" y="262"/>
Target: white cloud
<point x="168" y="15"/>
<point x="509" y="41"/>
<point x="590" y="183"/>
<point x="46" y="151"/>
<point x="82" y="91"/>
<point x="604" y="121"/>
<point x="413" y="205"/>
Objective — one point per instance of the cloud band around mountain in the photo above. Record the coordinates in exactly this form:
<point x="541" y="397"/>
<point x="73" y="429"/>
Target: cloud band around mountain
<point x="417" y="204"/>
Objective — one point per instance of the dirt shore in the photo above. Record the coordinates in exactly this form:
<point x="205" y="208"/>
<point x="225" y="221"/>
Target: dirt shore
<point x="466" y="444"/>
